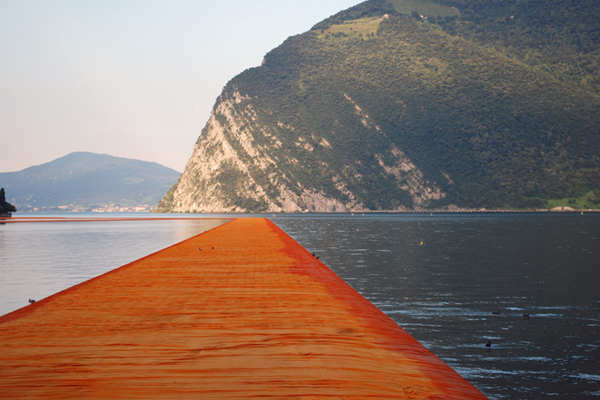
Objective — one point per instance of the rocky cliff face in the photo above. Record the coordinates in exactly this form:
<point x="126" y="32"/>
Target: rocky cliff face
<point x="237" y="164"/>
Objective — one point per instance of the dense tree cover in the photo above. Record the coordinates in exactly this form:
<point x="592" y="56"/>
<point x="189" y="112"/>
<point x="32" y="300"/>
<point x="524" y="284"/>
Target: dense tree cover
<point x="561" y="37"/>
<point x="5" y="207"/>
<point x="463" y="98"/>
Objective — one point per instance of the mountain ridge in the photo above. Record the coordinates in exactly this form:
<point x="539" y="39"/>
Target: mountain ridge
<point x="85" y="179"/>
<point x="375" y="110"/>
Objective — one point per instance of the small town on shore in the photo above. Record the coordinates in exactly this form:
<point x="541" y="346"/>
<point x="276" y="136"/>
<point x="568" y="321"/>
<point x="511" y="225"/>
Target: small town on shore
<point x="109" y="208"/>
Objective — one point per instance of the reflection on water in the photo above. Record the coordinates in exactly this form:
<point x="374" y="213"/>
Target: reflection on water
<point x="445" y="290"/>
<point x="40" y="259"/>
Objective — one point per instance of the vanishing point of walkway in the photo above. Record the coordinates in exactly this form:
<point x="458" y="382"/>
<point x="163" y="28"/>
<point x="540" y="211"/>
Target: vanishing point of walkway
<point x="240" y="311"/>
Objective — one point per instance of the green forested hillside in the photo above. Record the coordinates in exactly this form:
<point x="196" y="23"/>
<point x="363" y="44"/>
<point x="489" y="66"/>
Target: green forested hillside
<point x="559" y="37"/>
<point x="496" y="103"/>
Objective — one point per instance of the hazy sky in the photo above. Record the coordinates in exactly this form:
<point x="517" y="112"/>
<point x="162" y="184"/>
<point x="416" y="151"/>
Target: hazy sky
<point x="133" y="79"/>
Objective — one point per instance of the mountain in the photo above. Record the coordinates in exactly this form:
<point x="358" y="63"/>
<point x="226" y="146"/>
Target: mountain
<point x="409" y="104"/>
<point x="85" y="179"/>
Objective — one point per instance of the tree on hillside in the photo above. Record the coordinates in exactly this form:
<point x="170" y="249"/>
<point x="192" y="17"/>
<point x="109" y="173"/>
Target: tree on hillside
<point x="4" y="206"/>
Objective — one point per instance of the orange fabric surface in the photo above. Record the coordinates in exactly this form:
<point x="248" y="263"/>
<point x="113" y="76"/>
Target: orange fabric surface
<point x="15" y="220"/>
<point x="252" y="314"/>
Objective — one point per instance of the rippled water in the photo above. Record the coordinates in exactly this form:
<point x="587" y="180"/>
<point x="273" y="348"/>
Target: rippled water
<point x="444" y="291"/>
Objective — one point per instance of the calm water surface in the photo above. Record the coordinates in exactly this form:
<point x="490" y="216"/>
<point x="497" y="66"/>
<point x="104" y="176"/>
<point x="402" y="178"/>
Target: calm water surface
<point x="40" y="259"/>
<point x="442" y="291"/>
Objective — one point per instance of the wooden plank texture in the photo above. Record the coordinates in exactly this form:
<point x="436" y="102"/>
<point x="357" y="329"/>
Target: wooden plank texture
<point x="250" y="315"/>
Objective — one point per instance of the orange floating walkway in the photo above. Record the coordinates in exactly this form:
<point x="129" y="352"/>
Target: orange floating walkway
<point x="251" y="315"/>
<point x="14" y="220"/>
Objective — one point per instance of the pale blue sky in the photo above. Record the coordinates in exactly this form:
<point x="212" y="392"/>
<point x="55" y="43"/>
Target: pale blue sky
<point x="133" y="79"/>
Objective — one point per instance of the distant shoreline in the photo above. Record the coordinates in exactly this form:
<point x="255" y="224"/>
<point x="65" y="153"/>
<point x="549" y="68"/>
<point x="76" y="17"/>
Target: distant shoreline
<point x="108" y="216"/>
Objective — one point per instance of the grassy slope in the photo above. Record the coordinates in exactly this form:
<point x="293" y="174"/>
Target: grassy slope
<point x="590" y="200"/>
<point x="423" y="7"/>
<point x="363" y="27"/>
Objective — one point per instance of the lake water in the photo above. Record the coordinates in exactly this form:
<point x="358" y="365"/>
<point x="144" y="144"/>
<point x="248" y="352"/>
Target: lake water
<point x="444" y="291"/>
<point x="40" y="259"/>
<point x="440" y="277"/>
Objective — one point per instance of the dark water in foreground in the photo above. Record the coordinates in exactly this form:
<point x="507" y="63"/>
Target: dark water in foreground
<point x="443" y="292"/>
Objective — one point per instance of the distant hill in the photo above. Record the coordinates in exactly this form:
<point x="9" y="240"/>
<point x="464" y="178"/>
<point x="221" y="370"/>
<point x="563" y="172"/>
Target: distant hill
<point x="87" y="179"/>
<point x="410" y="104"/>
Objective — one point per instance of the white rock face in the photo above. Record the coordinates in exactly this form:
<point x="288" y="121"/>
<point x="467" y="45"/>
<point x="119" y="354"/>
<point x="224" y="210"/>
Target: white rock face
<point x="235" y="167"/>
<point x="410" y="178"/>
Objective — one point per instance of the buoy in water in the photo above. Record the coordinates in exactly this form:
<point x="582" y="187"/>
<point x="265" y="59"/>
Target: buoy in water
<point x="421" y="243"/>
<point x="357" y="230"/>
